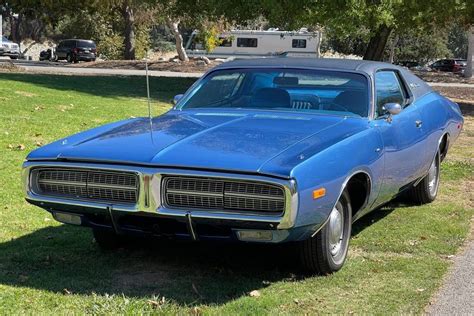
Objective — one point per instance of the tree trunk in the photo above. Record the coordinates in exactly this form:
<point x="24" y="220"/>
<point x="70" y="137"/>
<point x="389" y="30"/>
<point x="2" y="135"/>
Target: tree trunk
<point x="392" y="49"/>
<point x="318" y="47"/>
<point x="127" y="14"/>
<point x="470" y="53"/>
<point x="377" y="44"/>
<point x="173" y="26"/>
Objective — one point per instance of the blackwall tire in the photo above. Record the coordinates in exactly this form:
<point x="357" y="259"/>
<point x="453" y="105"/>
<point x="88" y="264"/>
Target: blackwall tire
<point x="326" y="252"/>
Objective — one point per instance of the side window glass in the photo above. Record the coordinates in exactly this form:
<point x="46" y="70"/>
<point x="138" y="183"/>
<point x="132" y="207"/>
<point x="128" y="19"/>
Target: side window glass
<point x="387" y="90"/>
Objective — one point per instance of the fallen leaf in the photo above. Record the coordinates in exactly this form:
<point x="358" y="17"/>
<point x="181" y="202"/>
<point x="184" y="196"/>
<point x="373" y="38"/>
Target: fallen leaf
<point x="196" y="311"/>
<point x="297" y="301"/>
<point x="7" y="133"/>
<point x="153" y="303"/>
<point x="195" y="290"/>
<point x="66" y="292"/>
<point x="420" y="290"/>
<point x="450" y="256"/>
<point x="38" y="144"/>
<point x="20" y="147"/>
<point x="23" y="277"/>
<point x="254" y="293"/>
<point x="10" y="146"/>
<point x="412" y="242"/>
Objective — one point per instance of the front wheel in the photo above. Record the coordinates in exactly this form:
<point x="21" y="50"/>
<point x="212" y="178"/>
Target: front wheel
<point x="326" y="252"/>
<point x="427" y="190"/>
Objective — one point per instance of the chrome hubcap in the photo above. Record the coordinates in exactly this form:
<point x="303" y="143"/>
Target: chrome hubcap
<point x="433" y="178"/>
<point x="336" y="229"/>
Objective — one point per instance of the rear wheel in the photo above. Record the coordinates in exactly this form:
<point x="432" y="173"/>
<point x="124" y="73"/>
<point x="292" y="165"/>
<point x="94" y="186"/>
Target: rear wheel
<point x="427" y="190"/>
<point x="107" y="240"/>
<point x="69" y="58"/>
<point x="326" y="252"/>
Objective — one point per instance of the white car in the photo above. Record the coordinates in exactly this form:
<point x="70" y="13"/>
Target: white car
<point x="8" y="48"/>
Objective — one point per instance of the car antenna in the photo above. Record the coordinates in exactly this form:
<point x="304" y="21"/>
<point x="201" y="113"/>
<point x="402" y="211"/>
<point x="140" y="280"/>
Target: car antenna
<point x="147" y="87"/>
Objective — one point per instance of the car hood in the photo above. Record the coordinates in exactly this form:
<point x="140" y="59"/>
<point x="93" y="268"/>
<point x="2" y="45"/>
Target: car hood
<point x="254" y="142"/>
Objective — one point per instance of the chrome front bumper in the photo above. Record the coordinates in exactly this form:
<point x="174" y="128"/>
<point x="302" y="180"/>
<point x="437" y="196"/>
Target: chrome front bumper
<point x="150" y="195"/>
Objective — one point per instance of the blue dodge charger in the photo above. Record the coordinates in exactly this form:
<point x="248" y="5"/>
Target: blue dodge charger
<point x="268" y="150"/>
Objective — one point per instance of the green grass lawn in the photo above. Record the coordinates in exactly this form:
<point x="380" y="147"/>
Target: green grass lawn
<point x="398" y="254"/>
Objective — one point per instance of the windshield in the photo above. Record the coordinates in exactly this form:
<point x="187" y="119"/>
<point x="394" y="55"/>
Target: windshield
<point x="334" y="92"/>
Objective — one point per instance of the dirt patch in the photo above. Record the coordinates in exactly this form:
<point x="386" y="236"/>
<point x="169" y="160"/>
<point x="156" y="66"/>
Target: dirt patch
<point x="128" y="280"/>
<point x="194" y="65"/>
<point x="25" y="94"/>
<point x="8" y="66"/>
<point x="459" y="93"/>
<point x="438" y="76"/>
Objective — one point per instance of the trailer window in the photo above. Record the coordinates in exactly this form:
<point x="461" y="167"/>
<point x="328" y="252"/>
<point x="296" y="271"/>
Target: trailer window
<point x="225" y="42"/>
<point x="298" y="43"/>
<point x="246" y="42"/>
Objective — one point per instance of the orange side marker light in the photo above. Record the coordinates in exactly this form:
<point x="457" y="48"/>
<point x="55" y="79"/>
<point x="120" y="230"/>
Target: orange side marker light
<point x="319" y="193"/>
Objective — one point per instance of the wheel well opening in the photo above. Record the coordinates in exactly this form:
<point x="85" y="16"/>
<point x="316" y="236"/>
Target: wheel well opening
<point x="358" y="188"/>
<point x="443" y="147"/>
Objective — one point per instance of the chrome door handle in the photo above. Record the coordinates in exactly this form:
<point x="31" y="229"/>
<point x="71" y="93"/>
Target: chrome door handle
<point x="418" y="123"/>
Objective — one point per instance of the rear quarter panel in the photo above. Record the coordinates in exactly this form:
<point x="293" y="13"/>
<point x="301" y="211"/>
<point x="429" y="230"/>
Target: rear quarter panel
<point x="440" y="116"/>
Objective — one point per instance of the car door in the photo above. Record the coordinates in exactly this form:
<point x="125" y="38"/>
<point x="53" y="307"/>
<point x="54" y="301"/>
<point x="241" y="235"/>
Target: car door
<point x="61" y="49"/>
<point x="402" y="134"/>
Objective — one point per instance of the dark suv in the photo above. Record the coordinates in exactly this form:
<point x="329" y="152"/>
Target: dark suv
<point x="451" y="65"/>
<point x="74" y="50"/>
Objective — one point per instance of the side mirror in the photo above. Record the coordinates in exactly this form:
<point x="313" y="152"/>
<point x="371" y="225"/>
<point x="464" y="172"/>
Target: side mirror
<point x="177" y="98"/>
<point x="393" y="108"/>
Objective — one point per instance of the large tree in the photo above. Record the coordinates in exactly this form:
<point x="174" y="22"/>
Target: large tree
<point x="379" y="17"/>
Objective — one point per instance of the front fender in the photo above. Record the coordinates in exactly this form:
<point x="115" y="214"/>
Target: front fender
<point x="331" y="169"/>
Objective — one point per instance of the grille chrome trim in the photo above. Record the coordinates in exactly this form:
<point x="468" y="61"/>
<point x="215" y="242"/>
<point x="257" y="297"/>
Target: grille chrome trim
<point x="222" y="194"/>
<point x="281" y="221"/>
<point x="87" y="184"/>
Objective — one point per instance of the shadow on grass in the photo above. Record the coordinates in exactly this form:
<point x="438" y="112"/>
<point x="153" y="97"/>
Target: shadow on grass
<point x="65" y="257"/>
<point x="162" y="89"/>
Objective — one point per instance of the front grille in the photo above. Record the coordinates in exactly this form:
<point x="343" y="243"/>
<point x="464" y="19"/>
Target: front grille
<point x="112" y="186"/>
<point x="222" y="194"/>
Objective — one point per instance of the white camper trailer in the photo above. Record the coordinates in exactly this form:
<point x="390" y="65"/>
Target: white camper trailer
<point x="251" y="44"/>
